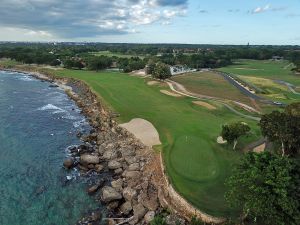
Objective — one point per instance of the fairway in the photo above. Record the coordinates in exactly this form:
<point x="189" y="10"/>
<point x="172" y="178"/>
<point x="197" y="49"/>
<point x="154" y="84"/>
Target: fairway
<point x="211" y="84"/>
<point x="195" y="163"/>
<point x="265" y="75"/>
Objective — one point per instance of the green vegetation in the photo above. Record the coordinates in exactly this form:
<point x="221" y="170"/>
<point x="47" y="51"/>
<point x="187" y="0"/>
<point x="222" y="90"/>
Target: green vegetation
<point x="265" y="75"/>
<point x="161" y="71"/>
<point x="196" y="164"/>
<point x="211" y="84"/>
<point x="266" y="187"/>
<point x="232" y="132"/>
<point x="115" y="54"/>
<point x="283" y="128"/>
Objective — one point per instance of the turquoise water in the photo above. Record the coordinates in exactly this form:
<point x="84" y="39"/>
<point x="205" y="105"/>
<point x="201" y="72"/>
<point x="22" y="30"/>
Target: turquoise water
<point x="37" y="124"/>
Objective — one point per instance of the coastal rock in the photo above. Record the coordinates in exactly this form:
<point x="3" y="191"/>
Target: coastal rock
<point x="89" y="159"/>
<point x="126" y="208"/>
<point x="110" y="194"/>
<point x="68" y="163"/>
<point x="114" y="165"/>
<point x="99" y="168"/>
<point x="131" y="174"/>
<point x="139" y="212"/>
<point x="129" y="193"/>
<point x="110" y="154"/>
<point x="134" y="166"/>
<point x="117" y="184"/>
<point x="93" y="189"/>
<point x="112" y="205"/>
<point x="149" y="216"/>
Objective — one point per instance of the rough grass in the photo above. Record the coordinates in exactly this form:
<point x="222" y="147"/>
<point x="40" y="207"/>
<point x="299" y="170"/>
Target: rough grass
<point x="263" y="73"/>
<point x="211" y="84"/>
<point x="196" y="164"/>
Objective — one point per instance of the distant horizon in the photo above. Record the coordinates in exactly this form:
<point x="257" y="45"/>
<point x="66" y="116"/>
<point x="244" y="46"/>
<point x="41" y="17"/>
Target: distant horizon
<point x="142" y="43"/>
<point x="260" y="22"/>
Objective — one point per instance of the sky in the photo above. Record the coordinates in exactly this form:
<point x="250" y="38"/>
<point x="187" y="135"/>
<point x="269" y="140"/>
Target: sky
<point x="259" y="22"/>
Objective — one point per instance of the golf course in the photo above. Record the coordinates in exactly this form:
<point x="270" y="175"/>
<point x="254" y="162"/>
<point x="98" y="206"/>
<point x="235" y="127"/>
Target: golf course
<point x="196" y="165"/>
<point x="274" y="79"/>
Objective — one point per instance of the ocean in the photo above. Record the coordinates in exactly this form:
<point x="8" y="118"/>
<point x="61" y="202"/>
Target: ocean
<point x="37" y="125"/>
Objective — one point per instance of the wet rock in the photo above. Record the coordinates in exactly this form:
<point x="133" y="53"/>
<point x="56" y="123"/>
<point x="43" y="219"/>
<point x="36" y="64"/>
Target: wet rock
<point x="149" y="216"/>
<point x="93" y="189"/>
<point x="40" y="190"/>
<point x="129" y="193"/>
<point x="110" y="194"/>
<point x="68" y="163"/>
<point x="114" y="165"/>
<point x="112" y="205"/>
<point x="126" y="208"/>
<point x="89" y="159"/>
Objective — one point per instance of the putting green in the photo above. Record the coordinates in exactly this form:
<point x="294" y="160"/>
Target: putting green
<point x="203" y="164"/>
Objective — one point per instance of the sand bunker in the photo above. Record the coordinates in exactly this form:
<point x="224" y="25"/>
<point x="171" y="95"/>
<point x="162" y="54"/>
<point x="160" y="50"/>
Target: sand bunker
<point x="143" y="130"/>
<point x="170" y="93"/>
<point x="205" y="104"/>
<point x="220" y="140"/>
<point x="153" y="82"/>
<point x="260" y="148"/>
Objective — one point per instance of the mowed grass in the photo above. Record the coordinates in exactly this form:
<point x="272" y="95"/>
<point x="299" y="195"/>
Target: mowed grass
<point x="211" y="84"/>
<point x="264" y="73"/>
<point x="196" y="165"/>
<point x="112" y="54"/>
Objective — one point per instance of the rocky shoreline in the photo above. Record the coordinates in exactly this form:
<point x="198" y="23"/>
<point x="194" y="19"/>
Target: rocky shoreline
<point x="135" y="189"/>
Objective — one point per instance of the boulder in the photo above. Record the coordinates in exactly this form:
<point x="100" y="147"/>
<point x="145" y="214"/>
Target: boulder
<point x="89" y="159"/>
<point x="112" y="205"/>
<point x="113" y="164"/>
<point x="93" y="189"/>
<point x="134" y="166"/>
<point x="117" y="184"/>
<point x="99" y="168"/>
<point x="131" y="174"/>
<point x="129" y="193"/>
<point x="126" y="208"/>
<point x="139" y="212"/>
<point x="68" y="163"/>
<point x="110" y="154"/>
<point x="110" y="194"/>
<point x="149" y="216"/>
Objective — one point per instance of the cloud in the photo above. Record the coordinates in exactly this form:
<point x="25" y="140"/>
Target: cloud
<point x="87" y="18"/>
<point x="261" y="9"/>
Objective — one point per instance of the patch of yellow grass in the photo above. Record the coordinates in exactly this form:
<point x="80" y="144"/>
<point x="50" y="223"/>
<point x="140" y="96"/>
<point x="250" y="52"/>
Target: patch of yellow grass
<point x="263" y="82"/>
<point x="205" y="104"/>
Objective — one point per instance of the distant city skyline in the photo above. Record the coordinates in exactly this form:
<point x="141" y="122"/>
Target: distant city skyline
<point x="259" y="22"/>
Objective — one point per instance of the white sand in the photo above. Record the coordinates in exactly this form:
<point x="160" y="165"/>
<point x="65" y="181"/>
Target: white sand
<point x="221" y="141"/>
<point x="143" y="130"/>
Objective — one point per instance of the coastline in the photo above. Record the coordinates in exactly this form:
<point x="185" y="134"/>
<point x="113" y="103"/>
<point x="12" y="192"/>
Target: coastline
<point x="139" y="187"/>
